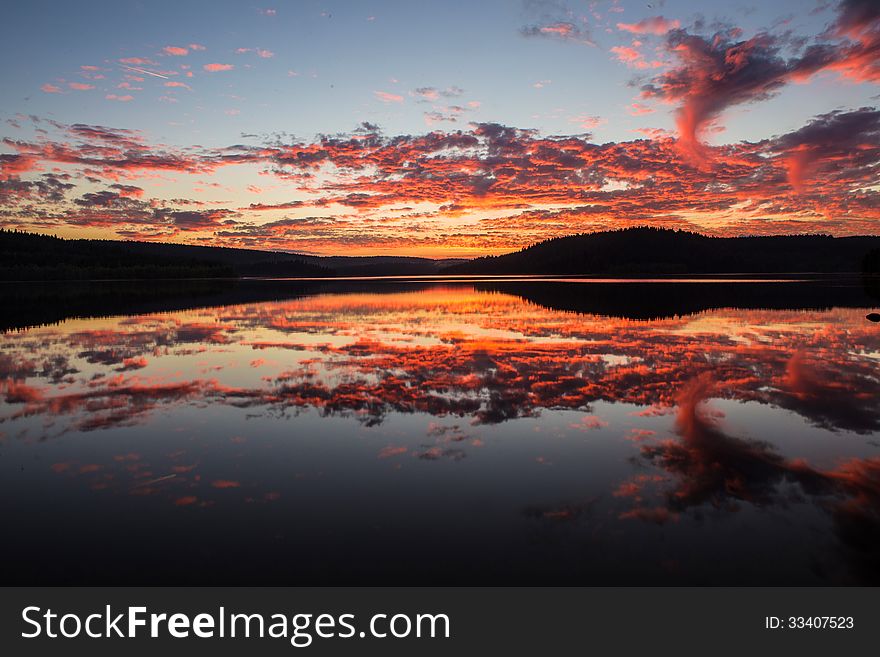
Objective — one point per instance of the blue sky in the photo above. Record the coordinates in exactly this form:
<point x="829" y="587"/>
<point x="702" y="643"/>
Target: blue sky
<point x="345" y="51"/>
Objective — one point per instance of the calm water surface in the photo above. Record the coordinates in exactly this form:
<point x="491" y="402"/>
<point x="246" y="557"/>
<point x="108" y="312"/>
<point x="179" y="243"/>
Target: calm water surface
<point x="445" y="432"/>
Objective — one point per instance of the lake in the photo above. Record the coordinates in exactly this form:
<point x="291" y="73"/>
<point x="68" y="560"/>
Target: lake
<point x="441" y="431"/>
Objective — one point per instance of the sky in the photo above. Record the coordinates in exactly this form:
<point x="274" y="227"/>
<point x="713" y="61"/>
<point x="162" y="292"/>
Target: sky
<point x="440" y="129"/>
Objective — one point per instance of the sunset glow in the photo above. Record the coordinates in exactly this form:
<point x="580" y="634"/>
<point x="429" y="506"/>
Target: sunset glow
<point x="335" y="128"/>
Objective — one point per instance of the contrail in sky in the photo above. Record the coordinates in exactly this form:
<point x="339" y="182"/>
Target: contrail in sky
<point x="140" y="70"/>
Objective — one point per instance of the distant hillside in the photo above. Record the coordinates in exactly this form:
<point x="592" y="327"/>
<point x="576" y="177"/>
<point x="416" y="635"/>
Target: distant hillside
<point x="654" y="251"/>
<point x="628" y="252"/>
<point x="382" y="265"/>
<point x="27" y="256"/>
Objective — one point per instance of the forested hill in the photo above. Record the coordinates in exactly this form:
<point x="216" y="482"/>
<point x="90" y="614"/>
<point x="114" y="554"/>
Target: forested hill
<point x="637" y="251"/>
<point x="27" y="256"/>
<point x="634" y="251"/>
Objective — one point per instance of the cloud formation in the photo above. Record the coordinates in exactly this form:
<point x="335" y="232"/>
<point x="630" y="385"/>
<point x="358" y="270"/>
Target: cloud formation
<point x="564" y="31"/>
<point x="652" y="25"/>
<point x="502" y="176"/>
<point x="387" y="97"/>
<point x="717" y="72"/>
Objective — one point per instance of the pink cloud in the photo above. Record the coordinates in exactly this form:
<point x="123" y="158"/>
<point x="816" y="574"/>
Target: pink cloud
<point x="588" y="423"/>
<point x="121" y="99"/>
<point x="175" y="50"/>
<point x="391" y="450"/>
<point x="559" y="29"/>
<point x="212" y="68"/>
<point x="653" y="133"/>
<point x="436" y="117"/>
<point x="50" y="89"/>
<point x="386" y="97"/>
<point x="128" y="191"/>
<point x="633" y="58"/>
<point x="626" y="54"/>
<point x="137" y="61"/>
<point x="196" y="46"/>
<point x="637" y="109"/>
<point x="652" y="25"/>
<point x="259" y="52"/>
<point x="80" y="86"/>
<point x="714" y="74"/>
<point x="182" y="85"/>
<point x="587" y="122"/>
<point x="428" y="93"/>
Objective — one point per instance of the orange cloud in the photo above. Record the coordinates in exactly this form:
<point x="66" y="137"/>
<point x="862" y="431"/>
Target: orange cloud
<point x="499" y="177"/>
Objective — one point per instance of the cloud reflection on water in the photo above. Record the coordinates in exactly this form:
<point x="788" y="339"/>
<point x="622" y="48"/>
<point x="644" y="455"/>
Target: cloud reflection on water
<point x="472" y="362"/>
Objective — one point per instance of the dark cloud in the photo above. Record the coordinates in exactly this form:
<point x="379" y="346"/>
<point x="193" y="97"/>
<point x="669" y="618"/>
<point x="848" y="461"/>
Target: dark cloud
<point x="48" y="187"/>
<point x="847" y="141"/>
<point x="564" y="31"/>
<point x="196" y="220"/>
